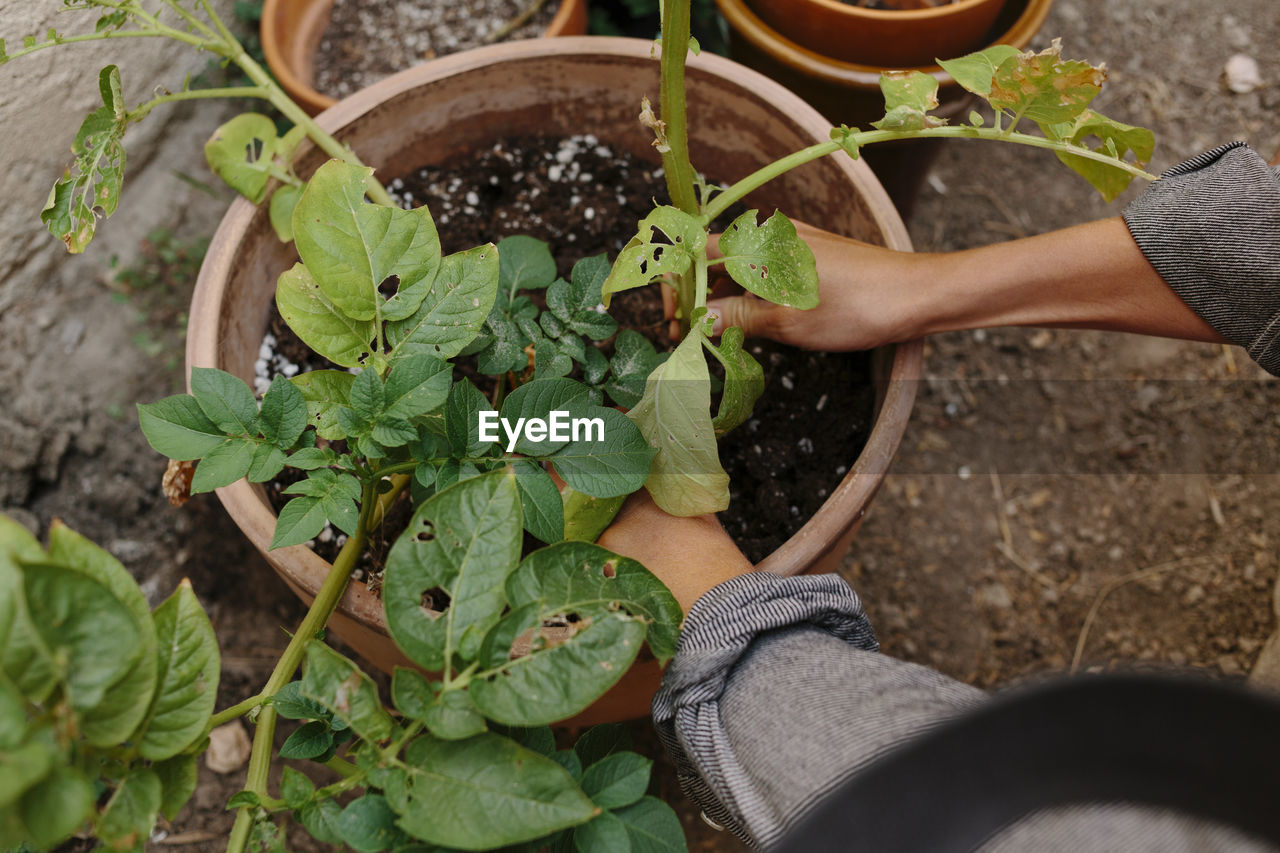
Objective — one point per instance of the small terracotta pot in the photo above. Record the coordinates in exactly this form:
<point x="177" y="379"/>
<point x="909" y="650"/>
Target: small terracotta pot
<point x="848" y="92"/>
<point x="884" y="37"/>
<point x="461" y="103"/>
<point x="291" y="31"/>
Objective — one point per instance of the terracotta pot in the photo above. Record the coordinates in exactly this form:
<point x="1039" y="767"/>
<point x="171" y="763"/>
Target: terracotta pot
<point x="467" y="101"/>
<point x="884" y="37"/>
<point x="291" y="31"/>
<point x="848" y="92"/>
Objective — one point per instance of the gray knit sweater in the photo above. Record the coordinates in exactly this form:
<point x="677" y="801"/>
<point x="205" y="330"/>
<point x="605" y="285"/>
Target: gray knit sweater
<point x="778" y="692"/>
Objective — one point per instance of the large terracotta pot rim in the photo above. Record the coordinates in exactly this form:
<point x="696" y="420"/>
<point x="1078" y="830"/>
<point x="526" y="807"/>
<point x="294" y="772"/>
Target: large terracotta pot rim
<point x="570" y="17"/>
<point x="824" y="532"/>
<point x="743" y="21"/>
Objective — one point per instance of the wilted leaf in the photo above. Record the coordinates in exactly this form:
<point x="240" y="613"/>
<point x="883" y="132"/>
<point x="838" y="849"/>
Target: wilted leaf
<point x="908" y="97"/>
<point x="743" y="380"/>
<point x="241" y="151"/>
<point x="1044" y="87"/>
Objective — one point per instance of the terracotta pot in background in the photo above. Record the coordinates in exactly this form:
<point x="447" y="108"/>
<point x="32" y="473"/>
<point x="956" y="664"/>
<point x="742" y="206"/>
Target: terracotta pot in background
<point x="848" y="92"/>
<point x="291" y="31"/>
<point x="738" y="121"/>
<point x="888" y="38"/>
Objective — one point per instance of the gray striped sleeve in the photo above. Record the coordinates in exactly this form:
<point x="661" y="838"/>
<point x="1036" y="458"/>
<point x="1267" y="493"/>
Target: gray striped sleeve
<point x="1211" y="228"/>
<point x="777" y="693"/>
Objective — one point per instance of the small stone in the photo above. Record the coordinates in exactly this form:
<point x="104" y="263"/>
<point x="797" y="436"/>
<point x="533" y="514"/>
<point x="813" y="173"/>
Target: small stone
<point x="1229" y="665"/>
<point x="229" y="748"/>
<point x="1194" y="595"/>
<point x="1242" y="74"/>
<point x="996" y="596"/>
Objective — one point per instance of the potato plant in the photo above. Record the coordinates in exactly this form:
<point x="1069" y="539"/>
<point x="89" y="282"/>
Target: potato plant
<point x="101" y="732"/>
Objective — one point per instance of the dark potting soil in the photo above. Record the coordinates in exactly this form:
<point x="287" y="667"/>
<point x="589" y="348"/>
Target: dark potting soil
<point x="367" y="40"/>
<point x="583" y="199"/>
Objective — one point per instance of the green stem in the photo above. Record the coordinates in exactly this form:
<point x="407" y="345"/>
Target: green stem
<point x="189" y="18"/>
<point x="700" y="280"/>
<point x="326" y="601"/>
<point x="140" y="112"/>
<point x="675" y="159"/>
<point x="110" y="34"/>
<point x="343" y="768"/>
<point x="870" y="137"/>
<point x="238" y="710"/>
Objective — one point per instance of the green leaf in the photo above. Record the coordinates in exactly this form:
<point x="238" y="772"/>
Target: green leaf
<point x="487" y="792"/>
<point x="595" y="366"/>
<point x="243" y="799"/>
<point x="975" y="71"/>
<point x="611" y="458"/>
<point x="93" y="637"/>
<point x="266" y="463"/>
<point x="653" y="827"/>
<point x="464" y="540"/>
<point x="454" y="308"/>
<point x="634" y="358"/>
<point x="223" y="465"/>
<point x="524" y="263"/>
<point x="241" y="152"/>
<point x="606" y="832"/>
<point x="24" y="657"/>
<point x="908" y="97"/>
<point x="538" y="399"/>
<point x="177" y="427"/>
<point x="646" y="258"/>
<point x="123" y="707"/>
<point x="417" y="386"/>
<point x="540" y="739"/>
<point x="771" y="260"/>
<point x="585" y="517"/>
<point x="1115" y="139"/>
<point x="352" y="246"/>
<point x="130" y="814"/>
<point x="188" y="676"/>
<point x="453" y="716"/>
<point x="324" y="391"/>
<point x="368" y="824"/>
<point x="540" y="501"/>
<point x="544" y="675"/>
<point x="295" y="788"/>
<point x="743" y="380"/>
<point x="320" y="323"/>
<point x="90" y="187"/>
<point x="1044" y="87"/>
<point x="15" y="541"/>
<point x="341" y="687"/>
<point x="462" y="419"/>
<point x="617" y="780"/>
<point x="550" y="361"/>
<point x="309" y="740"/>
<point x="411" y="692"/>
<point x="292" y="705"/>
<point x="675" y="417"/>
<point x="284" y="413"/>
<point x="283" y="202"/>
<point x="598" y="742"/>
<point x="226" y="400"/>
<point x="311" y="458"/>
<point x="22" y="768"/>
<point x="57" y="806"/>
<point x="325" y="496"/>
<point x="177" y="783"/>
<point x="577" y="303"/>
<point x="320" y="818"/>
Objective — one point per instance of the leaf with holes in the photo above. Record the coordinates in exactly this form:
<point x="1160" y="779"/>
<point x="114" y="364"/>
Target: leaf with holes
<point x="453" y="308"/>
<point x="241" y="152"/>
<point x="667" y="241"/>
<point x="353" y="247"/>
<point x="487" y="792"/>
<point x="1044" y="87"/>
<point x="93" y="182"/>
<point x="320" y="323"/>
<point x="771" y="260"/>
<point x="579" y="614"/>
<point x="463" y="541"/>
<point x="675" y="417"/>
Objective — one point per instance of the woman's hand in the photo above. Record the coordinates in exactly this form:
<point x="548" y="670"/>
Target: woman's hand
<point x="860" y="292"/>
<point x="689" y="555"/>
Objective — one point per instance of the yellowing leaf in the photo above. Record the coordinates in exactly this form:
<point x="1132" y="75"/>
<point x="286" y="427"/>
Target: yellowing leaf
<point x="908" y="97"/>
<point x="1044" y="87"/>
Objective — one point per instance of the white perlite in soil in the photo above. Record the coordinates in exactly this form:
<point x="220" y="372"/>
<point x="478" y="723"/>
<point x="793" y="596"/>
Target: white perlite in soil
<point x="370" y="39"/>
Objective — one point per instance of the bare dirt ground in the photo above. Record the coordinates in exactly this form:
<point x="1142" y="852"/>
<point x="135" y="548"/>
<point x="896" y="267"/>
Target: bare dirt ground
<point x="1046" y="477"/>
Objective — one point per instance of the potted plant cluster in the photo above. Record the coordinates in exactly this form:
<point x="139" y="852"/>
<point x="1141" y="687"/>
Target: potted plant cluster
<point x="459" y="384"/>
